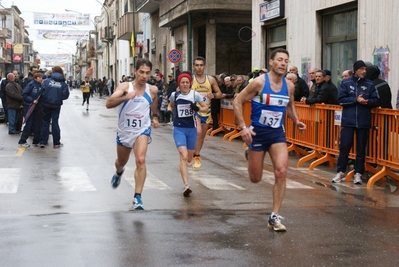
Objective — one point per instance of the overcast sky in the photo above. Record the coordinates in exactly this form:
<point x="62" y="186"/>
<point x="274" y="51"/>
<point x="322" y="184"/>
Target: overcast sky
<point x="29" y="7"/>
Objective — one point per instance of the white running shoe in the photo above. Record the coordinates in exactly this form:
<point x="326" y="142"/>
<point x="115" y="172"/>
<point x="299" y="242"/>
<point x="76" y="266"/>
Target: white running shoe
<point x="357" y="179"/>
<point x="340" y="177"/>
<point x="275" y="223"/>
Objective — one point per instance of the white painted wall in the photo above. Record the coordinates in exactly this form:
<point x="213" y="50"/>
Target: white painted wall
<point x="377" y="26"/>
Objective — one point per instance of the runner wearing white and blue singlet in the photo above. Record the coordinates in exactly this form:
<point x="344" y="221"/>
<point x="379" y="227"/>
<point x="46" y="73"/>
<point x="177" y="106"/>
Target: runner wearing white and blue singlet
<point x="135" y="100"/>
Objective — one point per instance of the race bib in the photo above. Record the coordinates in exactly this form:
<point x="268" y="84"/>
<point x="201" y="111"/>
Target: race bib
<point x="271" y="118"/>
<point x="184" y="110"/>
<point x="133" y="123"/>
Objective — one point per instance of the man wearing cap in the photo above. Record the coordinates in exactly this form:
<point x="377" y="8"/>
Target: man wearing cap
<point x="333" y="88"/>
<point x="357" y="96"/>
<point x="255" y="73"/>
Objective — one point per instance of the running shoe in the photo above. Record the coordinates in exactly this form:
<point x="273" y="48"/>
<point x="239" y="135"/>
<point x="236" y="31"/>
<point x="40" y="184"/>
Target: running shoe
<point x="35" y="145"/>
<point x="197" y="163"/>
<point x="275" y="223"/>
<point x="24" y="145"/>
<point x="357" y="179"/>
<point x="187" y="191"/>
<point x="137" y="203"/>
<point x="339" y="177"/>
<point x="42" y="145"/>
<point x="59" y="145"/>
<point x="116" y="179"/>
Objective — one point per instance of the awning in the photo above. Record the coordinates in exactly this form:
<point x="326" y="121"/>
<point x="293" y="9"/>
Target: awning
<point x="89" y="71"/>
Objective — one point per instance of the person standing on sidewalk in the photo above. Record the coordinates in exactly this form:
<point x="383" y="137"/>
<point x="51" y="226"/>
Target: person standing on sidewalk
<point x="357" y="96"/>
<point x="135" y="100"/>
<point x="184" y="103"/>
<point x="271" y="97"/>
<point x="30" y="94"/>
<point x="55" y="91"/>
<point x="14" y="102"/>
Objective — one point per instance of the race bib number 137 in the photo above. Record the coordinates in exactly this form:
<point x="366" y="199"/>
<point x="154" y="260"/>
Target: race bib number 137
<point x="271" y="118"/>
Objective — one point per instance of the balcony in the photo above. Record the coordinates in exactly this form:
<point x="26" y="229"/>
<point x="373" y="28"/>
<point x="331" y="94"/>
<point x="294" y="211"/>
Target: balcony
<point x="147" y="6"/>
<point x="125" y="26"/>
<point x="5" y="33"/>
<point x="107" y="34"/>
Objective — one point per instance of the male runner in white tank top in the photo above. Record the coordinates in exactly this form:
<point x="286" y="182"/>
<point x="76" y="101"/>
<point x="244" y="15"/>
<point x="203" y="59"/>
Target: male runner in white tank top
<point x="134" y="100"/>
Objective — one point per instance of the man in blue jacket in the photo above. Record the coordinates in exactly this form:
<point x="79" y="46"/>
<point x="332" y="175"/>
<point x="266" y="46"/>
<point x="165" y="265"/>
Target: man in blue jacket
<point x="30" y="95"/>
<point x="55" y="91"/>
<point x="357" y="96"/>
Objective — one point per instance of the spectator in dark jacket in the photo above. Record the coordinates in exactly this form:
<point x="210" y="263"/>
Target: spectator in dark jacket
<point x="384" y="91"/>
<point x="357" y="96"/>
<point x="322" y="92"/>
<point x="300" y="85"/>
<point x="30" y="95"/>
<point x="333" y="89"/>
<point x="55" y="91"/>
<point x="14" y="102"/>
<point x="3" y="97"/>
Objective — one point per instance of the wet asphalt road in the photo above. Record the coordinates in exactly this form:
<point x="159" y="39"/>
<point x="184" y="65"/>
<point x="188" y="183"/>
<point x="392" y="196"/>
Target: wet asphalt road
<point x="57" y="207"/>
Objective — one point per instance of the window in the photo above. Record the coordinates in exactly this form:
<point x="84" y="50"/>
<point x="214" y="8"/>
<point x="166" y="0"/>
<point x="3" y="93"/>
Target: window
<point x="340" y="42"/>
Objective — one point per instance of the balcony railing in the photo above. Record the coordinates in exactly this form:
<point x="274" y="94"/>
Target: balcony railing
<point x="5" y="33"/>
<point x="125" y="26"/>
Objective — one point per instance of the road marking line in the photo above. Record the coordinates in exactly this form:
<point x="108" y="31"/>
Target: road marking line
<point x="9" y="180"/>
<point x="212" y="182"/>
<point x="151" y="182"/>
<point x="268" y="177"/>
<point x="75" y="179"/>
<point x="20" y="151"/>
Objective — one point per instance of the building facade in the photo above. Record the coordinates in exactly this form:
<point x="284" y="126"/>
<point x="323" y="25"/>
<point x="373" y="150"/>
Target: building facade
<point x="329" y="34"/>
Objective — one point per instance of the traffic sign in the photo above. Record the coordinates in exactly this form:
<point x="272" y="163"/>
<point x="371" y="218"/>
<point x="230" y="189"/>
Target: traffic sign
<point x="17" y="58"/>
<point x="174" y="56"/>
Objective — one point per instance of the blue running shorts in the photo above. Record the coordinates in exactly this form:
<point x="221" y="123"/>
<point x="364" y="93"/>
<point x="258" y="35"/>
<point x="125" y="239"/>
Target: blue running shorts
<point x="185" y="137"/>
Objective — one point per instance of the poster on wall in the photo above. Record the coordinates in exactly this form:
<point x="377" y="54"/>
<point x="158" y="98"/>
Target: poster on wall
<point x="305" y="67"/>
<point x="381" y="59"/>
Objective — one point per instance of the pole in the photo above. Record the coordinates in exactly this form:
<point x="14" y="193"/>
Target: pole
<point x="134" y="29"/>
<point x="108" y="30"/>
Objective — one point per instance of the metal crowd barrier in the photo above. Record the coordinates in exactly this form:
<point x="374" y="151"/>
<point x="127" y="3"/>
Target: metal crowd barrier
<point x="319" y="144"/>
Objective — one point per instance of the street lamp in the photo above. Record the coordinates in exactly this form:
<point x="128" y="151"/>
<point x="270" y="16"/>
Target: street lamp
<point x="106" y="11"/>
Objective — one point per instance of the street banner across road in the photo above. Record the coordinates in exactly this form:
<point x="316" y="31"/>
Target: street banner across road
<point x="61" y="35"/>
<point x="62" y="19"/>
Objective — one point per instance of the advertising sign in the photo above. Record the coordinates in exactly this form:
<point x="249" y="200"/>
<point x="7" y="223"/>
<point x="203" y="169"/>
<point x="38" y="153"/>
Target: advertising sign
<point x="61" y="35"/>
<point x="62" y="19"/>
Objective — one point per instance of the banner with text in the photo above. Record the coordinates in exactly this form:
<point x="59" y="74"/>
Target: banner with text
<point x="62" y="19"/>
<point x="50" y="60"/>
<point x="61" y="35"/>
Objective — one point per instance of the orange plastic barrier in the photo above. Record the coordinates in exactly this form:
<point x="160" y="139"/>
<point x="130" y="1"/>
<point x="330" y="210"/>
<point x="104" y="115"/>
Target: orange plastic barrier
<point x="227" y="122"/>
<point x="320" y="142"/>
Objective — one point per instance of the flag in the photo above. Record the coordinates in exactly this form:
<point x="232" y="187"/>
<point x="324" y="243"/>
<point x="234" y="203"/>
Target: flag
<point x="133" y="44"/>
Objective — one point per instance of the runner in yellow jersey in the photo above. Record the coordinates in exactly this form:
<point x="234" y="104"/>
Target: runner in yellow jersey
<point x="85" y="87"/>
<point x="208" y="88"/>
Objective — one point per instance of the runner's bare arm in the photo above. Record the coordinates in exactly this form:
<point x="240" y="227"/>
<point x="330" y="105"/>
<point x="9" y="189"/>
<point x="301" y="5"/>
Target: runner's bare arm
<point x="247" y="94"/>
<point x="154" y="105"/>
<point x="119" y="96"/>
<point x="291" y="110"/>
<point x="215" y="88"/>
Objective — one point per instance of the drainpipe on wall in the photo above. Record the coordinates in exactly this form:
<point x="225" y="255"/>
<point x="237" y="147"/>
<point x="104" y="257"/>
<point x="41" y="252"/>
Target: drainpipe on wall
<point x="190" y="43"/>
<point x="134" y="29"/>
